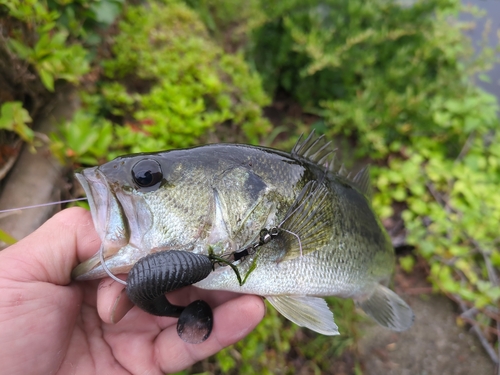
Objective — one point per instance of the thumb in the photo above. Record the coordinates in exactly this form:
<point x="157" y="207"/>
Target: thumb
<point x="53" y="250"/>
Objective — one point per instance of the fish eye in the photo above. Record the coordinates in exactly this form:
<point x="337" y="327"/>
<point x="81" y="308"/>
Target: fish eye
<point x="147" y="174"/>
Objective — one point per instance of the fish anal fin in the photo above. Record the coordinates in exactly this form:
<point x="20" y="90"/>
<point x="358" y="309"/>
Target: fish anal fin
<point x="306" y="223"/>
<point x="388" y="309"/>
<point x="306" y="311"/>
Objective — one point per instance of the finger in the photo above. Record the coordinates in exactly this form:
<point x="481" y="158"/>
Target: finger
<point x="112" y="301"/>
<point x="232" y="322"/>
<point x="186" y="295"/>
<point x="50" y="253"/>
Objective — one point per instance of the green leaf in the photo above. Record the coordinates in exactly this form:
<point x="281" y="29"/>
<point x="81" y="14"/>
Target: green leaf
<point x="7" y="238"/>
<point x="47" y="79"/>
<point x="20" y="48"/>
<point x="106" y="11"/>
<point x="495" y="258"/>
<point x="101" y="146"/>
<point x="407" y="263"/>
<point x="14" y="117"/>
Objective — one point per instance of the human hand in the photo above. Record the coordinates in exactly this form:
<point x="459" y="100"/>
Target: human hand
<point x="50" y="324"/>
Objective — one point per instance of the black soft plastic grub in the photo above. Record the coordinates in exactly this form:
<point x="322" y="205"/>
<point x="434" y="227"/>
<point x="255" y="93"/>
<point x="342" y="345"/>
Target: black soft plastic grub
<point x="165" y="271"/>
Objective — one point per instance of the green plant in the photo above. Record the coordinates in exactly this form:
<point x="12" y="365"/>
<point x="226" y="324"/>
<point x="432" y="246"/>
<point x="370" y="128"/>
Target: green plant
<point x="395" y="84"/>
<point x="453" y="221"/>
<point x="43" y="42"/>
<point x="51" y="35"/>
<point x="230" y="22"/>
<point x="14" y="117"/>
<point x="276" y="342"/>
<point x="7" y="238"/>
<point x="52" y="59"/>
<point x="166" y="85"/>
<point x="85" y="138"/>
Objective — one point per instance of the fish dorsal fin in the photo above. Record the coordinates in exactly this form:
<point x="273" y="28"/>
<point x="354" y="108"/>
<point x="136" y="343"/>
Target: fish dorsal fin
<point x="362" y="181"/>
<point x="388" y="309"/>
<point x="306" y="311"/>
<point x="318" y="151"/>
<point x="315" y="149"/>
<point x="307" y="223"/>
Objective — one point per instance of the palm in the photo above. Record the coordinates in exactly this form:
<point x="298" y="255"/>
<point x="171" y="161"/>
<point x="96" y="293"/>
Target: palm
<point x="49" y="326"/>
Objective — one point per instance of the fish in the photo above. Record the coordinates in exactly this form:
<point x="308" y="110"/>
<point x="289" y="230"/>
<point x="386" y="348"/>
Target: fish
<point x="291" y="227"/>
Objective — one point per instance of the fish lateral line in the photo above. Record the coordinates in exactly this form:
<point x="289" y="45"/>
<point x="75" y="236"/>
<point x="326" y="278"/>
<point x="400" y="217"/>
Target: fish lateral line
<point x="43" y="205"/>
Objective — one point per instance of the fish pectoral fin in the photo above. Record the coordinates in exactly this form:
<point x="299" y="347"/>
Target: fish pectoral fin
<point x="388" y="309"/>
<point x="306" y="311"/>
<point x="83" y="268"/>
<point x="308" y="221"/>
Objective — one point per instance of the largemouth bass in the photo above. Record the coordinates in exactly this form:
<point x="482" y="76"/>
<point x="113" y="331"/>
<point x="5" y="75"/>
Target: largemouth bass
<point x="287" y="226"/>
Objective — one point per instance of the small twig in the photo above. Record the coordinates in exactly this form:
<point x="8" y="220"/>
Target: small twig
<point x="498" y="347"/>
<point x="477" y="330"/>
<point x="44" y="138"/>
<point x="436" y="195"/>
<point x="489" y="267"/>
<point x="468" y="304"/>
<point x="486" y="345"/>
<point x="469" y="313"/>
<point x="492" y="275"/>
<point x="486" y="328"/>
<point x="465" y="148"/>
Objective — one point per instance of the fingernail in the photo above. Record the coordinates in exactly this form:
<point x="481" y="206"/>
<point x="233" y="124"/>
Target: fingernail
<point x="121" y="307"/>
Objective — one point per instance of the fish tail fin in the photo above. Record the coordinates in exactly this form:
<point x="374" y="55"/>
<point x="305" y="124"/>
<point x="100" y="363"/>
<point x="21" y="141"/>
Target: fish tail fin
<point x="306" y="311"/>
<point x="388" y="309"/>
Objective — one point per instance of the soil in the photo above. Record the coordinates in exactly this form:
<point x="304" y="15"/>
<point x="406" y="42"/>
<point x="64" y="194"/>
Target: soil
<point x="435" y="344"/>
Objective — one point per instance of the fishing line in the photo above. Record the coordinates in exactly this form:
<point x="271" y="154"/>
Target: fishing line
<point x="110" y="274"/>
<point x="101" y="253"/>
<point x="42" y="205"/>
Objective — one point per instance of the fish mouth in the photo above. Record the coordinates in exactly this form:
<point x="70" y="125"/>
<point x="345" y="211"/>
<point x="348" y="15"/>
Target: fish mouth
<point x="107" y="214"/>
<point x="108" y="217"/>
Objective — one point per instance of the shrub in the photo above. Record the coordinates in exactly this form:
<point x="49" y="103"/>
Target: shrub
<point x="166" y="85"/>
<point x="43" y="43"/>
<point x="396" y="84"/>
